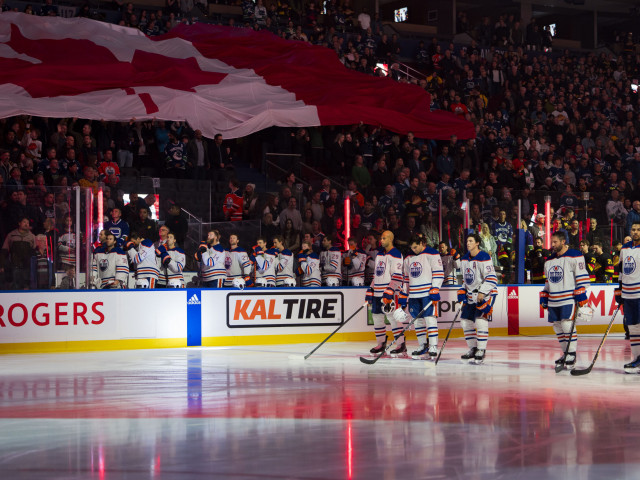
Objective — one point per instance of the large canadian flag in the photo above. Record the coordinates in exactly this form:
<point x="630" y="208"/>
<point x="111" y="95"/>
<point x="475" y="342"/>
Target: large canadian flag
<point x="220" y="79"/>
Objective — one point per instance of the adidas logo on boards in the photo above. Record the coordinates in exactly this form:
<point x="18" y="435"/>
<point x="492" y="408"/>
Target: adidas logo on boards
<point x="513" y="294"/>
<point x="194" y="300"/>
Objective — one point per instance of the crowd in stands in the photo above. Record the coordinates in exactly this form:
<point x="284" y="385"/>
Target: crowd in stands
<point x="558" y="124"/>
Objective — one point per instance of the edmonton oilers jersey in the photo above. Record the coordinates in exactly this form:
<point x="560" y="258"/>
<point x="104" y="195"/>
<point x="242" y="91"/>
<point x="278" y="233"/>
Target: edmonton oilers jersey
<point x="422" y="272"/>
<point x="564" y="273"/>
<point x="387" y="272"/>
<point x="478" y="273"/>
<point x="629" y="271"/>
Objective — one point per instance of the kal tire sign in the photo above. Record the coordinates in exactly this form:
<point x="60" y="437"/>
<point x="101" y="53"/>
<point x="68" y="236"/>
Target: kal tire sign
<point x="284" y="309"/>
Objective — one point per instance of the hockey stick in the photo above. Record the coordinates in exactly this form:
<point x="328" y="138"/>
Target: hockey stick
<point x="370" y="361"/>
<point x="560" y="366"/>
<point x="584" y="371"/>
<point x="447" y="337"/>
<point x="335" y="331"/>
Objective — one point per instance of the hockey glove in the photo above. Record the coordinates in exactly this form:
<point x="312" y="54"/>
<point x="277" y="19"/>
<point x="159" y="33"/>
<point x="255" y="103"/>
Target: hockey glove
<point x="347" y="261"/>
<point x="462" y="295"/>
<point x="434" y="294"/>
<point x="369" y="296"/>
<point x="617" y="294"/>
<point x="166" y="260"/>
<point x="544" y="299"/>
<point x="402" y="300"/>
<point x="129" y="246"/>
<point x="580" y="296"/>
<point x="248" y="282"/>
<point x="203" y="248"/>
<point x="388" y="295"/>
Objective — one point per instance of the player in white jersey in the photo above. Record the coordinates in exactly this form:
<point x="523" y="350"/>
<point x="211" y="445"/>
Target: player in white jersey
<point x="142" y="254"/>
<point x="309" y="266"/>
<point x="172" y="259"/>
<point x="265" y="264"/>
<point x="354" y="261"/>
<point x="237" y="264"/>
<point x="330" y="261"/>
<point x="110" y="269"/>
<point x="422" y="279"/>
<point x="565" y="287"/>
<point x="67" y="245"/>
<point x="477" y="294"/>
<point x="628" y="294"/>
<point x="284" y="264"/>
<point x="211" y="256"/>
<point x="163" y="231"/>
<point x="387" y="282"/>
<point x="371" y="249"/>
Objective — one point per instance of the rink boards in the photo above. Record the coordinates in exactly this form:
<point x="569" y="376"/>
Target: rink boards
<point x="81" y="320"/>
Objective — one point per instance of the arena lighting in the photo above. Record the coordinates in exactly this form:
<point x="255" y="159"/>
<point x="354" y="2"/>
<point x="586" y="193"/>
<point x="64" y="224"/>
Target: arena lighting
<point x="347" y="222"/>
<point x="100" y="211"/>
<point x="547" y="222"/>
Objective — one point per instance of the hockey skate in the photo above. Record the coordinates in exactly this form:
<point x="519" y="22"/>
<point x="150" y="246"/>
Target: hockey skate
<point x="479" y="356"/>
<point x="433" y="352"/>
<point x="399" y="351"/>
<point x="470" y="355"/>
<point x="561" y="360"/>
<point x="379" y="348"/>
<point x="421" y="352"/>
<point x="633" y="367"/>
<point x="570" y="361"/>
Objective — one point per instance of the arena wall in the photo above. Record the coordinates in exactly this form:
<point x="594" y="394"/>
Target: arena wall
<point x="82" y="320"/>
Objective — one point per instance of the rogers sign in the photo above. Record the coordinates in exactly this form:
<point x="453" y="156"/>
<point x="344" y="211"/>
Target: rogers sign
<point x="281" y="309"/>
<point x="57" y="313"/>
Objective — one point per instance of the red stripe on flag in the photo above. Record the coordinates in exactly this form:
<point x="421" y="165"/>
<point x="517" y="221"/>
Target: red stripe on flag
<point x="149" y="104"/>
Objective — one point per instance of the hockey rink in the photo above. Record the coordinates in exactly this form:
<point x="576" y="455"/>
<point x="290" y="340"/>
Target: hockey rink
<point x="263" y="412"/>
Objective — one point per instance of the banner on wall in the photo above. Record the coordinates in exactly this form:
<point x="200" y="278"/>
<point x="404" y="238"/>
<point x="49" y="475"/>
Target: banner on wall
<point x="286" y="309"/>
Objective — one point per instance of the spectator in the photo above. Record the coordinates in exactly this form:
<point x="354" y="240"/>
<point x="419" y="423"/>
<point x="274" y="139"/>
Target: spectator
<point x="16" y="253"/>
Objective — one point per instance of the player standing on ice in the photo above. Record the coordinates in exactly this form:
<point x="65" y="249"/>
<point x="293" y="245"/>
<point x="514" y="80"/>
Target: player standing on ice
<point x="629" y="294"/>
<point x="423" y="276"/>
<point x="565" y="287"/>
<point x="477" y="295"/>
<point x="387" y="281"/>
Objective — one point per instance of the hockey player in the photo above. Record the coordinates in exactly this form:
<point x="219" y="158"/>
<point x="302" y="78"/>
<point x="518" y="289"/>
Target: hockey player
<point x="565" y="287"/>
<point x="211" y="256"/>
<point x="422" y="279"/>
<point x="265" y="264"/>
<point x="67" y="245"/>
<point x="371" y="248"/>
<point x="330" y="260"/>
<point x="354" y="262"/>
<point x="237" y="264"/>
<point x="163" y="232"/>
<point x="606" y="271"/>
<point x="628" y="294"/>
<point x="309" y="266"/>
<point x="284" y="264"/>
<point x="535" y="261"/>
<point x="173" y="260"/>
<point x="142" y="254"/>
<point x="477" y="294"/>
<point x="387" y="281"/>
<point x="110" y="269"/>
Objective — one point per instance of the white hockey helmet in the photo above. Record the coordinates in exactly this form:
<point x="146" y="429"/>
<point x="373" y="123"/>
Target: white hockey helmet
<point x="239" y="283"/>
<point x="289" y="282"/>
<point x="584" y="314"/>
<point x="399" y="315"/>
<point x="261" y="282"/>
<point x="142" y="283"/>
<point x="174" y="283"/>
<point x="333" y="282"/>
<point x="357" y="281"/>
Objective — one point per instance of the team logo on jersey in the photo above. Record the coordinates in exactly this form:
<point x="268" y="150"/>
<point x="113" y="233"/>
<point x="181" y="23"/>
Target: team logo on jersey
<point x="103" y="264"/>
<point x="380" y="269"/>
<point x="469" y="276"/>
<point x="227" y="262"/>
<point x="629" y="265"/>
<point x="415" y="269"/>
<point x="556" y="273"/>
